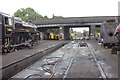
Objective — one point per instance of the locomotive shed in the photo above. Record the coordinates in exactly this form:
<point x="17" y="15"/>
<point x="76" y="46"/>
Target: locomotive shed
<point x="77" y="59"/>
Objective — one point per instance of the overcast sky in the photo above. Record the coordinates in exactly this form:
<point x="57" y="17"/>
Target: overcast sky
<point x="65" y="8"/>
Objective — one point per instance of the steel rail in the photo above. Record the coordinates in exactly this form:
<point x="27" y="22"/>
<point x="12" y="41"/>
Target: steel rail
<point x="103" y="75"/>
<point x="70" y="64"/>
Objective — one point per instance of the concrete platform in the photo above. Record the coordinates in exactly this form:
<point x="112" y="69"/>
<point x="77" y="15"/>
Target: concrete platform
<point x="9" y="58"/>
<point x="16" y="61"/>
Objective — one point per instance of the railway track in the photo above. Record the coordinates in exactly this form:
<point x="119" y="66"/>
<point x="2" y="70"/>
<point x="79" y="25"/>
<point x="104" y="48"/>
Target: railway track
<point x="103" y="75"/>
<point x="70" y="63"/>
<point x="83" y="43"/>
<point x="59" y="59"/>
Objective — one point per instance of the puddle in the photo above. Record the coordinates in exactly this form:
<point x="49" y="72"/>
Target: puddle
<point x="47" y="74"/>
<point x="72" y="42"/>
<point x="102" y="63"/>
<point x="58" y="73"/>
<point x="27" y="55"/>
<point x="84" y="54"/>
<point x="109" y="75"/>
<point x="83" y="45"/>
<point x="100" y="43"/>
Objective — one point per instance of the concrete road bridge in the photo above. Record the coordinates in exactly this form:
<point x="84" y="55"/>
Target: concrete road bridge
<point x="65" y="23"/>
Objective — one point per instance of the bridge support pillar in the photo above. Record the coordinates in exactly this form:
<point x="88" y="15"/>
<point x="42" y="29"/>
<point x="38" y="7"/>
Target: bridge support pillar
<point x="65" y="33"/>
<point x="92" y="32"/>
<point x="43" y="33"/>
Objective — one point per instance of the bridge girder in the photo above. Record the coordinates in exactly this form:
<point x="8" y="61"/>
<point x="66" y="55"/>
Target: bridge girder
<point x="75" y="20"/>
<point x="69" y="25"/>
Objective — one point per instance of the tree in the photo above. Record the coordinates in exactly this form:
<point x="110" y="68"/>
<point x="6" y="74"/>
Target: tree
<point x="97" y="30"/>
<point x="28" y="14"/>
<point x="71" y="30"/>
<point x="45" y="17"/>
<point x="54" y="30"/>
<point x="85" y="32"/>
<point x="56" y="17"/>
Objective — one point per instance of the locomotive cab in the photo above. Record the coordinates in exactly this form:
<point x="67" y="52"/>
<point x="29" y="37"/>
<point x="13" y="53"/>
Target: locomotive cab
<point x="7" y="28"/>
<point x="17" y="23"/>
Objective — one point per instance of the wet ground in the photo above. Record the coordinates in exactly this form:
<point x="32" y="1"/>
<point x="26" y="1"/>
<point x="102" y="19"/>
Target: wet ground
<point x="108" y="61"/>
<point x="72" y="61"/>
